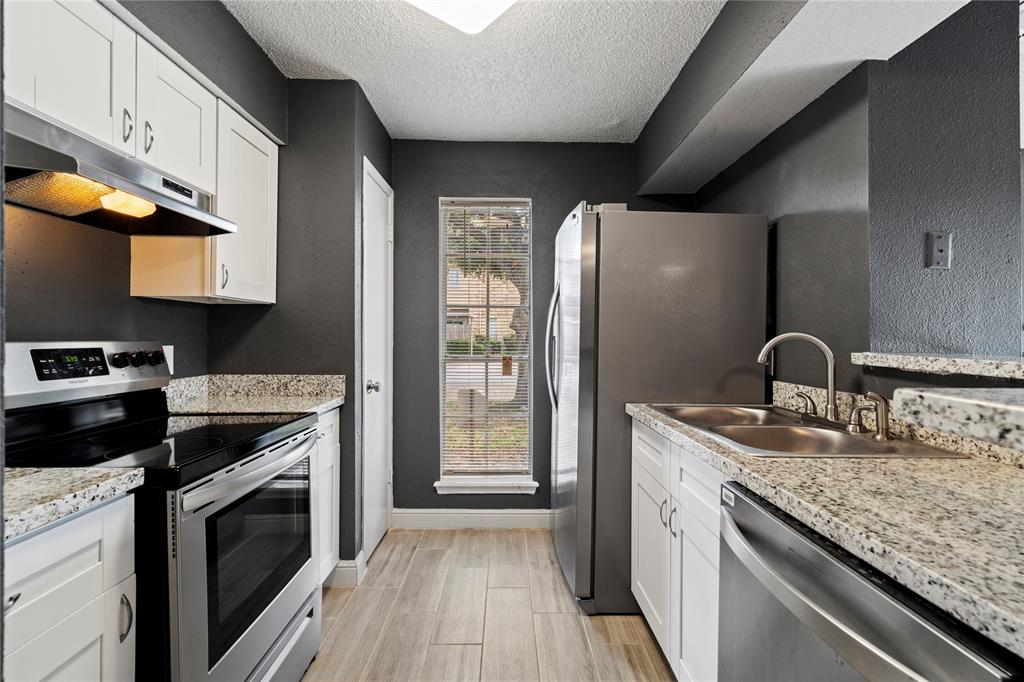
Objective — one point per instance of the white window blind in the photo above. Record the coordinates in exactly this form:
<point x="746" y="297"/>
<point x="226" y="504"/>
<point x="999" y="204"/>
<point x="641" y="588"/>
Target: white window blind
<point x="485" y="354"/>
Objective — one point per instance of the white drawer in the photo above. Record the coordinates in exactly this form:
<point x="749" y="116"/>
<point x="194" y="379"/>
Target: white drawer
<point x="703" y="538"/>
<point x="698" y="489"/>
<point x="653" y="452"/>
<point x="328" y="428"/>
<point x="59" y="571"/>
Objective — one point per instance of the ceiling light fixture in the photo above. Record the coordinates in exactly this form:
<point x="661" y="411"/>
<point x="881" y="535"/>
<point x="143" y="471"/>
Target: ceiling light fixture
<point x="469" y="16"/>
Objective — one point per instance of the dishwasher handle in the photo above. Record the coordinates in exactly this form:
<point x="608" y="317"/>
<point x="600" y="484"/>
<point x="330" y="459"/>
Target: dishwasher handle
<point x="865" y="656"/>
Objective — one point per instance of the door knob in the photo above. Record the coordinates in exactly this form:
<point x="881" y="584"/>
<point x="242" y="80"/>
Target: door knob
<point x="372" y="386"/>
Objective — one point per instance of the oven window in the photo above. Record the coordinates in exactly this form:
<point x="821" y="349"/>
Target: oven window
<point x="253" y="548"/>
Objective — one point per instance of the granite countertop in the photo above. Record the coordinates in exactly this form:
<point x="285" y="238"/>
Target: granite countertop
<point x="950" y="530"/>
<point x="256" y="393"/>
<point x="995" y="415"/>
<point x="34" y="498"/>
<point x="255" y="405"/>
<point x="1007" y="368"/>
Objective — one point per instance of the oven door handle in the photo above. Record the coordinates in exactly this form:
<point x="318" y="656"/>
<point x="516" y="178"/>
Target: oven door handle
<point x="212" y="492"/>
<point x="851" y="645"/>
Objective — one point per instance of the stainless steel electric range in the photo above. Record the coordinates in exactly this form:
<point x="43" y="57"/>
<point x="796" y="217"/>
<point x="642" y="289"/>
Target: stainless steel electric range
<point x="223" y="539"/>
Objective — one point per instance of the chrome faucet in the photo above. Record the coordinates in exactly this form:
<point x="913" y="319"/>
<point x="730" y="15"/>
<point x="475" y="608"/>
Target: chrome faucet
<point x="830" y="361"/>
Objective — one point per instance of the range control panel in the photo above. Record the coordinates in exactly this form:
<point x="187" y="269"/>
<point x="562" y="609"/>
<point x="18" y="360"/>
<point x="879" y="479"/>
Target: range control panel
<point x="47" y="372"/>
<point x="68" y="363"/>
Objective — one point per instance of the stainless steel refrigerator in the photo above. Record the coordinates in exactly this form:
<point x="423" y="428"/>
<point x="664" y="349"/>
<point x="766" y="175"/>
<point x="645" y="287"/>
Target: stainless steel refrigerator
<point x="647" y="307"/>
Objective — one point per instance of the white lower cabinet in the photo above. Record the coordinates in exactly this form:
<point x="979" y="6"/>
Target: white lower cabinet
<point x="650" y="569"/>
<point x="70" y="596"/>
<point x="328" y="486"/>
<point x="674" y="555"/>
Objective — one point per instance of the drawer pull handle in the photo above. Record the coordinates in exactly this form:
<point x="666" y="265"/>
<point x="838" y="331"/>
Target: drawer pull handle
<point x="664" y="505"/>
<point x="127" y="125"/>
<point x="126" y="604"/>
<point x="671" y="526"/>
<point x="12" y="599"/>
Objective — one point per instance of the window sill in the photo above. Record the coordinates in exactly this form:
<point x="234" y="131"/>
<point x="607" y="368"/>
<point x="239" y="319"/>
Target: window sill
<point x="486" y="485"/>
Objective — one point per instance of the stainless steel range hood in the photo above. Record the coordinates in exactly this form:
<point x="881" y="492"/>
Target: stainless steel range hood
<point x="51" y="169"/>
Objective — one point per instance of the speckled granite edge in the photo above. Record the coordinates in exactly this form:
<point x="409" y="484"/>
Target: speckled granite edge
<point x="994" y="415"/>
<point x="238" y="405"/>
<point x="188" y="388"/>
<point x="940" y="432"/>
<point x="34" y="498"/>
<point x="986" y="617"/>
<point x="1008" y="368"/>
<point x="209" y="386"/>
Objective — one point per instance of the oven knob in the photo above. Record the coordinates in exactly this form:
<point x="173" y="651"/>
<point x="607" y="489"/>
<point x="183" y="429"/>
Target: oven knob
<point x="120" y="360"/>
<point x="155" y="357"/>
<point x="138" y="358"/>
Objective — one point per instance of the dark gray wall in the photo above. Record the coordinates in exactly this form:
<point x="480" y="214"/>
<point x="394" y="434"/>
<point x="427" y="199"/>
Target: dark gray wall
<point x="810" y="178"/>
<point x="212" y="40"/>
<point x="313" y="327"/>
<point x="740" y="32"/>
<point x="556" y="177"/>
<point x="944" y="156"/>
<point x="70" y="281"/>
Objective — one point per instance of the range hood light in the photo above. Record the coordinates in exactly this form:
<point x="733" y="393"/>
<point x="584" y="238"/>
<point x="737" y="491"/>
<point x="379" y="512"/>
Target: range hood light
<point x="127" y="204"/>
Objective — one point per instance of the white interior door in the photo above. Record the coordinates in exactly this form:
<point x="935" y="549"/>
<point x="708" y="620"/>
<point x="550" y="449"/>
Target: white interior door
<point x="378" y="238"/>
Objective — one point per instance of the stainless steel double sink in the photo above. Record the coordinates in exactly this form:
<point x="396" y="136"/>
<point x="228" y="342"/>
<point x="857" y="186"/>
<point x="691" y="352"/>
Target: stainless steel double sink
<point x="769" y="431"/>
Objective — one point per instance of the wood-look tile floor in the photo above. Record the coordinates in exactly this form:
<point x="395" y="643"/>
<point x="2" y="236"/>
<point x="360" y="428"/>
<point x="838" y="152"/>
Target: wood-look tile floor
<point x="474" y="605"/>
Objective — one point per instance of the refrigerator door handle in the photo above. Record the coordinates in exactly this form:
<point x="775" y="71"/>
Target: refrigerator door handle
<point x="548" y="338"/>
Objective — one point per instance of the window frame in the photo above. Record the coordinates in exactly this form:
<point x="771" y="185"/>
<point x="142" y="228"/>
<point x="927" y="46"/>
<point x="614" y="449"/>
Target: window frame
<point x="491" y="483"/>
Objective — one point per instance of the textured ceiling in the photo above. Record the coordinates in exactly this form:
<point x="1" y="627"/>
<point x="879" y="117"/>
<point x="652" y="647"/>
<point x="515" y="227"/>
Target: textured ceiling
<point x="590" y="70"/>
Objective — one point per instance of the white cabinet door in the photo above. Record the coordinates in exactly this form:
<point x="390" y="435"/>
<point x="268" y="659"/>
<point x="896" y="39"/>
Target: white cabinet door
<point x="329" y="492"/>
<point x="75" y="62"/>
<point x="119" y="632"/>
<point x="650" y="568"/>
<point x="19" y="51"/>
<point x="177" y="120"/>
<point x="70" y="650"/>
<point x="245" y="263"/>
<point x="694" y="648"/>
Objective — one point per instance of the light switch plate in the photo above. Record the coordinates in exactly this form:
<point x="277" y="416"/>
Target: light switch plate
<point x="939" y="253"/>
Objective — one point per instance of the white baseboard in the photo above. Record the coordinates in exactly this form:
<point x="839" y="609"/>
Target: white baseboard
<point x="348" y="572"/>
<point x="471" y="518"/>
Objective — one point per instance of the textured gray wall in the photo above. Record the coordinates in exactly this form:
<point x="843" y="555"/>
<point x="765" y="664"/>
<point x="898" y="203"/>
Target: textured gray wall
<point x="212" y="40"/>
<point x="944" y="156"/>
<point x="556" y="177"/>
<point x="740" y="32"/>
<point x="70" y="281"/>
<point x="313" y="328"/>
<point x="810" y="178"/>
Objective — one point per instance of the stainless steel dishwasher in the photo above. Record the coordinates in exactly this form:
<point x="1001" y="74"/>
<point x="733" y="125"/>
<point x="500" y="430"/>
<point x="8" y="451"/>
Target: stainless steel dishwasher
<point x="794" y="606"/>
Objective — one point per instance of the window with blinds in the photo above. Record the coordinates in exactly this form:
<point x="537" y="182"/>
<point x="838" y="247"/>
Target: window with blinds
<point x="485" y="354"/>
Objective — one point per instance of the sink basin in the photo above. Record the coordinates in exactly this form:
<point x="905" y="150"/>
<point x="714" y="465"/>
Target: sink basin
<point x="725" y="415"/>
<point x="805" y="440"/>
<point x="769" y="431"/>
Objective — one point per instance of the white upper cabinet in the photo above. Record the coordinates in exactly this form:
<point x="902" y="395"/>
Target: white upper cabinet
<point x="177" y="120"/>
<point x="228" y="268"/>
<point x="74" y="62"/>
<point x="246" y="262"/>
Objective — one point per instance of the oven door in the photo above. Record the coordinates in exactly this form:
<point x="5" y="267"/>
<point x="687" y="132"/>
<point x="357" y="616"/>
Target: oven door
<point x="243" y="566"/>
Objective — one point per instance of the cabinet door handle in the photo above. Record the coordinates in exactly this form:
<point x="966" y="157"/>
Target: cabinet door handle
<point x="127" y="604"/>
<point x="150" y="137"/>
<point x="671" y="526"/>
<point x="664" y="505"/>
<point x="127" y="125"/>
<point x="224" y="275"/>
<point x="12" y="599"/>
